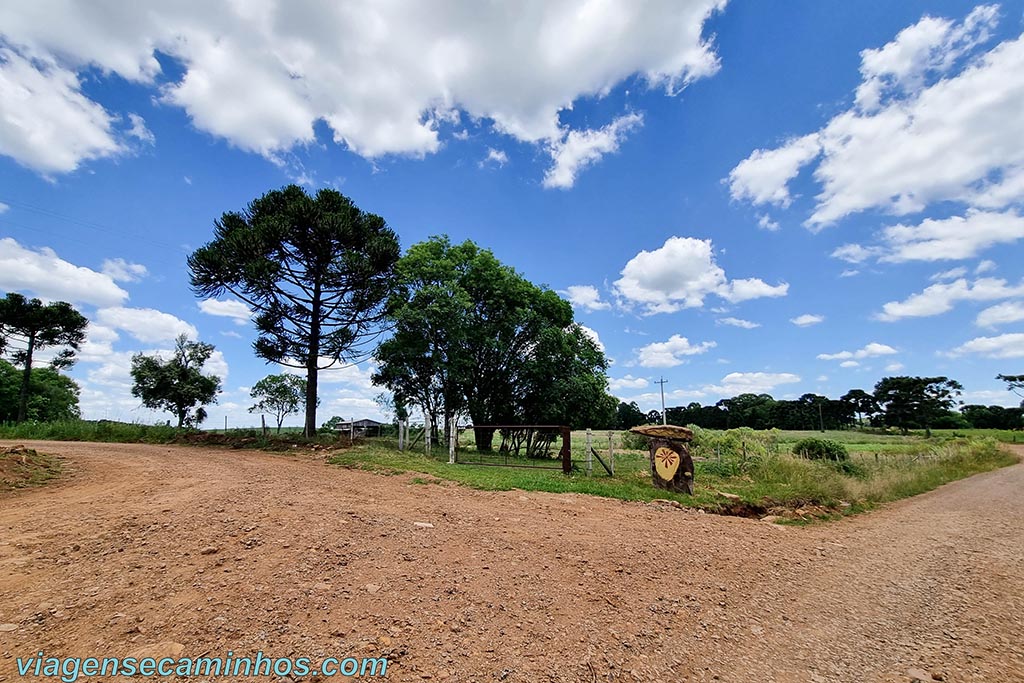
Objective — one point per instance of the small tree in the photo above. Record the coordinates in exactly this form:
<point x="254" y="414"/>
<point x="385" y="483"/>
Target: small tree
<point x="177" y="385"/>
<point x="30" y="326"/>
<point x="861" y="403"/>
<point x="280" y="395"/>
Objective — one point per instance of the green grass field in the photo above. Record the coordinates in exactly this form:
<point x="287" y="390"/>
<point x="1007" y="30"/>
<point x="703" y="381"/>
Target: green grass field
<point x="769" y="479"/>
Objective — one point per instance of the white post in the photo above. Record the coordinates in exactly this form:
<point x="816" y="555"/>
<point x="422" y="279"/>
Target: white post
<point x="352" y="430"/>
<point x="426" y="432"/>
<point x="611" y="454"/>
<point x="590" y="453"/>
<point x="453" y="430"/>
<point x="407" y="433"/>
<point x="401" y="443"/>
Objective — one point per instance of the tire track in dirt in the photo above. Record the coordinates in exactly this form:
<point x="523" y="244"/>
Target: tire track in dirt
<point x="225" y="550"/>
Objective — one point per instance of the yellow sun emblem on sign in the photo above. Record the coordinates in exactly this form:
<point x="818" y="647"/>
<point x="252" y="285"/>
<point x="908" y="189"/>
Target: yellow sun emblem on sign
<point x="666" y="462"/>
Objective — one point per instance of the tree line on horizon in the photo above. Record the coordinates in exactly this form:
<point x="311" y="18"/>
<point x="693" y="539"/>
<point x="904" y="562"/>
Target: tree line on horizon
<point x="902" y="402"/>
<point x="464" y="335"/>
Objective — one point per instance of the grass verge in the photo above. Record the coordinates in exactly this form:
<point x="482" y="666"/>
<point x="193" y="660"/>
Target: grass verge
<point x="781" y="485"/>
<point x="23" y="467"/>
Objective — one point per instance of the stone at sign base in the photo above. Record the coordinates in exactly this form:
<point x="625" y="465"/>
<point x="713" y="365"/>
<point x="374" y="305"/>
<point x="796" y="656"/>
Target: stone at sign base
<point x="671" y="464"/>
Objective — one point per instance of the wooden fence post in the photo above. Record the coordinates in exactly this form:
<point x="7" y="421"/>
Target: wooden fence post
<point x="453" y="435"/>
<point x="426" y="433"/>
<point x="590" y="454"/>
<point x="401" y="434"/>
<point x="611" y="454"/>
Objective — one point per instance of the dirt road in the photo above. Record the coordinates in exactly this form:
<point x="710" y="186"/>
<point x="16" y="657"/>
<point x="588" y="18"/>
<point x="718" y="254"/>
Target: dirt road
<point x="227" y="550"/>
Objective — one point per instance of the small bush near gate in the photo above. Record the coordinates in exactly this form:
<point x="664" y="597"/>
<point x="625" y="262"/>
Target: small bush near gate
<point x="821" y="449"/>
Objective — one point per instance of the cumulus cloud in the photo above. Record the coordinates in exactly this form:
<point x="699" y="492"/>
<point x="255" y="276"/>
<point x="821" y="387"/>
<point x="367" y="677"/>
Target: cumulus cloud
<point x="46" y="123"/>
<point x="593" y="336"/>
<point x="763" y="177"/>
<point x="627" y="382"/>
<point x="668" y="354"/>
<point x="738" y="322"/>
<point x="766" y="222"/>
<point x="870" y="351"/>
<point x="145" y="324"/>
<point x="947" y="239"/>
<point x="681" y="274"/>
<point x="139" y="131"/>
<point x="121" y="271"/>
<point x="1001" y="314"/>
<point x="1002" y="346"/>
<point x="384" y="78"/>
<point x="736" y="383"/>
<point x="581" y="148"/>
<point x="933" y="121"/>
<point x="586" y="297"/>
<point x="941" y="297"/>
<point x="3" y="208"/>
<point x="497" y="157"/>
<point x="894" y="367"/>
<point x="807" y="319"/>
<point x="951" y="274"/>
<point x="227" y="308"/>
<point x="44" y="274"/>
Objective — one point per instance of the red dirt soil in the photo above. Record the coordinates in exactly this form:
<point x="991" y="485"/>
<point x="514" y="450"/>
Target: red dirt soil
<point x="222" y="550"/>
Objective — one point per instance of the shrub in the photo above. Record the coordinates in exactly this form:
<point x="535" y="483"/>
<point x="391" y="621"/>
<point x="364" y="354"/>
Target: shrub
<point x="821" y="449"/>
<point x="633" y="442"/>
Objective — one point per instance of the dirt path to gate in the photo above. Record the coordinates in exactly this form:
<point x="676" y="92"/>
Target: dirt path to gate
<point x="224" y="550"/>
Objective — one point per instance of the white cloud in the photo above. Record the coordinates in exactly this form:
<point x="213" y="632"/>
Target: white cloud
<point x="849" y="364"/>
<point x="764" y="176"/>
<point x="985" y="267"/>
<point x="593" y="336"/>
<point x="1002" y="346"/>
<point x="494" y="156"/>
<point x="736" y="383"/>
<point x="145" y="324"/>
<point x="627" y="382"/>
<point x="670" y="353"/>
<point x="581" y="148"/>
<point x="122" y="271"/>
<point x="854" y="253"/>
<point x="3" y="208"/>
<point x="586" y="297"/>
<point x="951" y="274"/>
<point x="385" y="78"/>
<point x="46" y="123"/>
<point x="849" y="272"/>
<point x="765" y="222"/>
<point x="751" y="288"/>
<point x="227" y="308"/>
<point x="951" y="239"/>
<point x="139" y="131"/>
<point x="42" y="273"/>
<point x="933" y="121"/>
<point x="870" y="351"/>
<point x="821" y="378"/>
<point x="807" y="319"/>
<point x="738" y="322"/>
<point x="894" y="367"/>
<point x="931" y="46"/>
<point x="1001" y="314"/>
<point x="941" y="297"/>
<point x="681" y="274"/>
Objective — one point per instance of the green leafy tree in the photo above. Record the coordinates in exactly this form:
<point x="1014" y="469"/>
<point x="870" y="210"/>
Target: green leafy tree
<point x="28" y="326"/>
<point x="280" y="395"/>
<point x="316" y="270"/>
<point x="916" y="402"/>
<point x="471" y="335"/>
<point x="861" y="403"/>
<point x="629" y="415"/>
<point x="52" y="396"/>
<point x="178" y="385"/>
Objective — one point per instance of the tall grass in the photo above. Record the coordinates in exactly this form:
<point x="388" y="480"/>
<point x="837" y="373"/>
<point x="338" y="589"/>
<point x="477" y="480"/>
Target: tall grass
<point x="88" y="430"/>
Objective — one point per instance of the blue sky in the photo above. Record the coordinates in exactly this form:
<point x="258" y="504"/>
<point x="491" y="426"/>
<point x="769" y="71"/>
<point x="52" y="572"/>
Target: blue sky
<point x="742" y="196"/>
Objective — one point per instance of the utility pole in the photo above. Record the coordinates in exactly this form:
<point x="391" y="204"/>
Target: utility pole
<point x="664" y="416"/>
